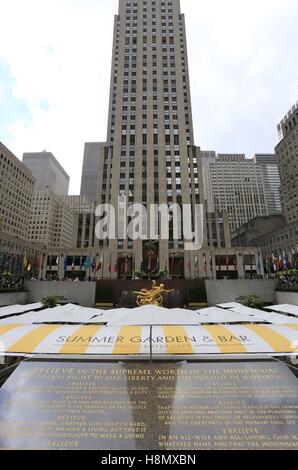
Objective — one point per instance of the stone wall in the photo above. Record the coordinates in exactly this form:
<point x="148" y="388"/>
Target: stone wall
<point x="81" y="293"/>
<point x="286" y="298"/>
<point x="232" y="290"/>
<point x="13" y="298"/>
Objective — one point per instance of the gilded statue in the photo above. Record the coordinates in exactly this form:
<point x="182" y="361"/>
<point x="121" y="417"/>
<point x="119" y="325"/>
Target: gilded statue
<point x="151" y="296"/>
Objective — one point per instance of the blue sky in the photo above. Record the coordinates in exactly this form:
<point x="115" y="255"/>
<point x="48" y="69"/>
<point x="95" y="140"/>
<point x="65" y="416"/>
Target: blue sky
<point x="55" y="71"/>
<point x="11" y="107"/>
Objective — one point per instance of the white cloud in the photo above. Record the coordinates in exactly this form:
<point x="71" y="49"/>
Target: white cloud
<point x="2" y="92"/>
<point x="243" y="60"/>
<point x="60" y="63"/>
<point x="294" y="91"/>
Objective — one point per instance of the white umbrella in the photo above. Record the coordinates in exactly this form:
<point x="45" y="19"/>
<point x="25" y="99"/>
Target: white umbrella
<point x="61" y="314"/>
<point x="153" y="315"/>
<point x="285" y="308"/>
<point x="15" y="309"/>
<point x="218" y="315"/>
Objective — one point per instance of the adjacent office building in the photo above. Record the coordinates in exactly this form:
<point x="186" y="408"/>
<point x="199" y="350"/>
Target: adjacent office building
<point x="235" y="185"/>
<point x="16" y="194"/>
<point x="207" y="157"/>
<point x="287" y="158"/>
<point x="51" y="220"/>
<point x="268" y="163"/>
<point x="47" y="172"/>
<point x="84" y="221"/>
<point x="93" y="154"/>
<point x="285" y="240"/>
<point x="278" y="235"/>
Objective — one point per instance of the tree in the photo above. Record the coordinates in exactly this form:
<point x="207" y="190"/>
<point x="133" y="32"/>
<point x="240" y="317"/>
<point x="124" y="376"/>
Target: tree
<point x="49" y="302"/>
<point x="253" y="301"/>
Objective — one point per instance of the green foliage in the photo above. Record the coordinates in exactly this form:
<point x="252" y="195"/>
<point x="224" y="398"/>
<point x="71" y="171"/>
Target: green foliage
<point x="7" y="275"/>
<point x="140" y="275"/>
<point x="49" y="302"/>
<point x="163" y="273"/>
<point x="252" y="301"/>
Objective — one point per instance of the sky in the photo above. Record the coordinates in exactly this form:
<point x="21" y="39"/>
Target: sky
<point x="55" y="63"/>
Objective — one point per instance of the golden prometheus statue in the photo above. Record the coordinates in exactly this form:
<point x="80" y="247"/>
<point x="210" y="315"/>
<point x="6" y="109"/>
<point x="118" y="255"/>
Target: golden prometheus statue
<point x="151" y="296"/>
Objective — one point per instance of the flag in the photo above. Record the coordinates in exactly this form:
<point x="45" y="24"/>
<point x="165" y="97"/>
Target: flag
<point x="281" y="262"/>
<point x="27" y="264"/>
<point x="41" y="261"/>
<point x="87" y="263"/>
<point x="275" y="262"/>
<point x="290" y="259"/>
<point x="116" y="267"/>
<point x="93" y="264"/>
<point x="258" y="263"/>
<point x="99" y="266"/>
<point x="197" y="262"/>
<point x="285" y="262"/>
<point x="28" y="267"/>
<point x="57" y="260"/>
<point x="205" y="263"/>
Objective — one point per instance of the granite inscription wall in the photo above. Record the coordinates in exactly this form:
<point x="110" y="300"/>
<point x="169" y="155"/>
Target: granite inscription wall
<point x="239" y="405"/>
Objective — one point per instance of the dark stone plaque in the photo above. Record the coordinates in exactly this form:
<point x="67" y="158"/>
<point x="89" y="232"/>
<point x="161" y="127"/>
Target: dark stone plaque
<point x="54" y="405"/>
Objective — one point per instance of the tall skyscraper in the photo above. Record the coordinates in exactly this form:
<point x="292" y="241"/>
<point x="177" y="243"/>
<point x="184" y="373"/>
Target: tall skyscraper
<point x="150" y="156"/>
<point x="93" y="152"/>
<point x="47" y="172"/>
<point x="268" y="163"/>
